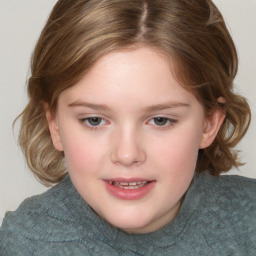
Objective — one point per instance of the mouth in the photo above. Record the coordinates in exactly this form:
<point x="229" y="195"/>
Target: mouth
<point x="129" y="189"/>
<point x="129" y="185"/>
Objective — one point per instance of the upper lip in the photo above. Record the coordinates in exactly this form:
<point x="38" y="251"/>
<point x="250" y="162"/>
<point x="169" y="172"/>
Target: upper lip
<point x="128" y="180"/>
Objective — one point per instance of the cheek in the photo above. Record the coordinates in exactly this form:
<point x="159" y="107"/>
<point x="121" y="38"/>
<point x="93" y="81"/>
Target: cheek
<point x="179" y="152"/>
<point x="80" y="153"/>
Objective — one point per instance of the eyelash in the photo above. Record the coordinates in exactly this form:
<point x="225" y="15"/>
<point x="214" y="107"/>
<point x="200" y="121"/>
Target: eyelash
<point x="168" y="122"/>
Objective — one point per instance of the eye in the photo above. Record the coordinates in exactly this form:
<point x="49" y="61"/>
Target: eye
<point x="93" y="122"/>
<point x="161" y="121"/>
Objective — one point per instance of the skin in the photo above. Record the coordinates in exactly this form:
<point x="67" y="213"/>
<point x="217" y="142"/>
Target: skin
<point x="127" y="91"/>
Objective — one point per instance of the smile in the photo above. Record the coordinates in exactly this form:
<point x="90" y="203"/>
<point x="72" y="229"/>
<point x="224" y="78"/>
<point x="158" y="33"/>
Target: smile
<point x="129" y="190"/>
<point x="129" y="185"/>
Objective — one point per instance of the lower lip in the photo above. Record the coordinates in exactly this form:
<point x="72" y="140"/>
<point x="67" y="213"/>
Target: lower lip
<point x="129" y="194"/>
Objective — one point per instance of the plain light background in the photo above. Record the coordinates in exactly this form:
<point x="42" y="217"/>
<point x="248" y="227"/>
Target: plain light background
<point x="20" y="26"/>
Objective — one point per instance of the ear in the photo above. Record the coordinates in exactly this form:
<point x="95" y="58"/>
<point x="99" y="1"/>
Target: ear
<point x="54" y="129"/>
<point x="211" y="126"/>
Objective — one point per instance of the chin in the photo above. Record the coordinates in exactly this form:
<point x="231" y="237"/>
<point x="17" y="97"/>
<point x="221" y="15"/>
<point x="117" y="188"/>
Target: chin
<point x="131" y="224"/>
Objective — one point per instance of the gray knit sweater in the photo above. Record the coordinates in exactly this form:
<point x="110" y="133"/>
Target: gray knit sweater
<point x="218" y="217"/>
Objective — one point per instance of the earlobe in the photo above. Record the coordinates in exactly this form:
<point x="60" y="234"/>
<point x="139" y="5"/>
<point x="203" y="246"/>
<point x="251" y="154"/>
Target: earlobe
<point x="54" y="130"/>
<point x="211" y="127"/>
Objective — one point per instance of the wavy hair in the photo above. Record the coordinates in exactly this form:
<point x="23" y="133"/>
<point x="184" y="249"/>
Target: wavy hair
<point x="78" y="33"/>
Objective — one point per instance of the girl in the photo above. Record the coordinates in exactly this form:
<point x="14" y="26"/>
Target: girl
<point x="132" y="115"/>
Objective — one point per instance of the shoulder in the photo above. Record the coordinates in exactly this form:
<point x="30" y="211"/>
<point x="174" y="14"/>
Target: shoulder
<point x="239" y="196"/>
<point x="50" y="204"/>
<point x="229" y="204"/>
<point x="232" y="187"/>
<point x="232" y="191"/>
<point x="38" y="220"/>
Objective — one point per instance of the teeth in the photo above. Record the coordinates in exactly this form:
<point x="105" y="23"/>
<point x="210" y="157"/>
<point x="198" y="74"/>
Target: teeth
<point x="129" y="185"/>
<point x="133" y="183"/>
<point x="123" y="183"/>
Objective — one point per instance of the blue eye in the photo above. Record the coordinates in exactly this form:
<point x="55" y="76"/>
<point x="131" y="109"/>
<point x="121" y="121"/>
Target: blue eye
<point x="93" y="122"/>
<point x="162" y="121"/>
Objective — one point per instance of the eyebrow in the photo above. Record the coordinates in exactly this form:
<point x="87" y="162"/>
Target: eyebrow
<point x="169" y="105"/>
<point x="103" y="107"/>
<point x="89" y="105"/>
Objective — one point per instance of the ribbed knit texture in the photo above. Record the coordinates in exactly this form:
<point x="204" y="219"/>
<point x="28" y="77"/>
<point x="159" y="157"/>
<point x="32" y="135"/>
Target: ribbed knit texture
<point x="217" y="217"/>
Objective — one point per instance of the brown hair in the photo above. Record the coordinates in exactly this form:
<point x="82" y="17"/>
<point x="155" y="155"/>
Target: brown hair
<point x="78" y="33"/>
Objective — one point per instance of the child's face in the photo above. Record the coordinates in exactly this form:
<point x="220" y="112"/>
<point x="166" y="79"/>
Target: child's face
<point x="131" y="136"/>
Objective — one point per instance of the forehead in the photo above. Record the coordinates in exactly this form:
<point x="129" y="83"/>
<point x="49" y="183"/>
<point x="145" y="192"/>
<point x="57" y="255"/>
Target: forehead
<point x="137" y="75"/>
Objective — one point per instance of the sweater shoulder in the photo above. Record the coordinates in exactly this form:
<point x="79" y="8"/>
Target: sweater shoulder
<point x="38" y="218"/>
<point x="229" y="201"/>
<point x="237" y="188"/>
<point x="229" y="191"/>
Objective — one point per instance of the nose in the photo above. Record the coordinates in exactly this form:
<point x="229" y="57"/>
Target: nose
<point x="127" y="148"/>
